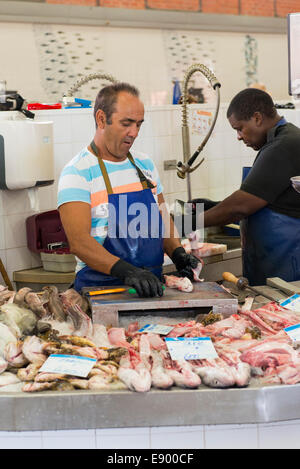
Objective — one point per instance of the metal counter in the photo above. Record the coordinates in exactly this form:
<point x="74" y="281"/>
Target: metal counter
<point x="51" y="410"/>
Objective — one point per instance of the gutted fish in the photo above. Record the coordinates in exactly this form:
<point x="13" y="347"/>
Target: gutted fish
<point x="160" y="378"/>
<point x="181" y="283"/>
<point x="79" y="383"/>
<point x="6" y="295"/>
<point x="19" y="298"/>
<point x="100" y="336"/>
<point x="44" y="377"/>
<point x="72" y="297"/>
<point x="27" y="298"/>
<point x="28" y="373"/>
<point x="133" y="373"/>
<point x="13" y="354"/>
<point x="82" y="322"/>
<point x="6" y="336"/>
<point x="99" y="383"/>
<point x="55" y="305"/>
<point x="8" y="378"/>
<point x="36" y="387"/>
<point x="33" y="349"/>
<point x="216" y="377"/>
<point x="3" y="365"/>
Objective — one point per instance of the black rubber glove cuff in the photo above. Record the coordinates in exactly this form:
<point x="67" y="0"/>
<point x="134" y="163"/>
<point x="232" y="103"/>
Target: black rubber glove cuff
<point x="144" y="281"/>
<point x="177" y="256"/>
<point x="184" y="262"/>
<point x="122" y="269"/>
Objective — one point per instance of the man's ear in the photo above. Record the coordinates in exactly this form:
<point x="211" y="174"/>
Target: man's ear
<point x="258" y="118"/>
<point x="100" y="119"/>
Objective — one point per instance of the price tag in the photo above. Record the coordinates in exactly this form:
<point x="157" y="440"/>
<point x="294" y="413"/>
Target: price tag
<point x="293" y="332"/>
<point x="68" y="365"/>
<point x="292" y="303"/>
<point x="191" y="348"/>
<point x="156" y="329"/>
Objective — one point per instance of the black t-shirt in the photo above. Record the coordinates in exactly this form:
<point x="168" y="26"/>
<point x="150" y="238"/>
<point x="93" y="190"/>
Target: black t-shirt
<point x="277" y="161"/>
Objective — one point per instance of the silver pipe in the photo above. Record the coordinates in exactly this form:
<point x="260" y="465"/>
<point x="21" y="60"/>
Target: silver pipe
<point x="86" y="79"/>
<point x="185" y="168"/>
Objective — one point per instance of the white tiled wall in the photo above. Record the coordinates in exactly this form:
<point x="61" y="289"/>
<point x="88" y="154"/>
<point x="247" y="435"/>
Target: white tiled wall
<point x="160" y="137"/>
<point x="276" y="435"/>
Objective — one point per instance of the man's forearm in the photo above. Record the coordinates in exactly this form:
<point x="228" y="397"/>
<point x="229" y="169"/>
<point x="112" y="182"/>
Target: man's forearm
<point x="238" y="205"/>
<point x="172" y="240"/>
<point x="93" y="254"/>
<point x="220" y="215"/>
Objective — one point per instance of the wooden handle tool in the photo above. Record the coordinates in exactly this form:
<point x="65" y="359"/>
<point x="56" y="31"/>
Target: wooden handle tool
<point x="243" y="283"/>
<point x="5" y="276"/>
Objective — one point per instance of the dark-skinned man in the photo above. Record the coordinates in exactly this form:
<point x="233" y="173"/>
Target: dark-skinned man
<point x="100" y="193"/>
<point x="266" y="204"/>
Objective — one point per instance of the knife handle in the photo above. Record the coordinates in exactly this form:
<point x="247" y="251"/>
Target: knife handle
<point x="133" y="290"/>
<point x="230" y="277"/>
<point x="106" y="291"/>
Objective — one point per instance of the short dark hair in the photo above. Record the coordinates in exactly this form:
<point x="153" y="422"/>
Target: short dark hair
<point x="249" y="101"/>
<point x="107" y="98"/>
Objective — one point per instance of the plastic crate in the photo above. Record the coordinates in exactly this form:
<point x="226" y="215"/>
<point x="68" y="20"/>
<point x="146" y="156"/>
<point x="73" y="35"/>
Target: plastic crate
<point x="56" y="262"/>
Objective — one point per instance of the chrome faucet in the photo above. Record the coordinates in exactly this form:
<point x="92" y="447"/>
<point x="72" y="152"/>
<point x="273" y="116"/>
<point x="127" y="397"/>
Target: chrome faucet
<point x="185" y="168"/>
<point x="68" y="97"/>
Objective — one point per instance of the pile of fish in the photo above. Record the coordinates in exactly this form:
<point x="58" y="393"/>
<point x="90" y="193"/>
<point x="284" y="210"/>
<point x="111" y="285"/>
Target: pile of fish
<point x="250" y="345"/>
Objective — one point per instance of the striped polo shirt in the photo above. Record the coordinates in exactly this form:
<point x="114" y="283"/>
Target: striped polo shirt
<point x="81" y="180"/>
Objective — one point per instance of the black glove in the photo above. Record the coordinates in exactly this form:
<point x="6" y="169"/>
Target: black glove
<point x="207" y="204"/>
<point x="184" y="262"/>
<point x="144" y="281"/>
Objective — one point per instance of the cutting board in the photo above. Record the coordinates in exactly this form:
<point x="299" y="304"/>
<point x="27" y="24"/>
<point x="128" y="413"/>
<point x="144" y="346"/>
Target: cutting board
<point x="206" y="295"/>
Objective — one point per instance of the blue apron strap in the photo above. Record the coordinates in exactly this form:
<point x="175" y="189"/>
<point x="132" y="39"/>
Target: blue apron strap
<point x="246" y="170"/>
<point x="282" y="121"/>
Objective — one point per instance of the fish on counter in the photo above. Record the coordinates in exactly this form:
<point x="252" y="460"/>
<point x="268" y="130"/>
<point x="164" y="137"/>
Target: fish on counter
<point x="184" y="284"/>
<point x="249" y="344"/>
<point x="180" y="283"/>
<point x="26" y="298"/>
<point x="7" y="378"/>
<point x="21" y="321"/>
<point x="6" y="295"/>
<point x="200" y="249"/>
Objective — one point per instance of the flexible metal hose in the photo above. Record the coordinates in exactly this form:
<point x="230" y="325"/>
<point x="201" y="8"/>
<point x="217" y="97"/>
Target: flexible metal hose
<point x="185" y="168"/>
<point x="86" y="79"/>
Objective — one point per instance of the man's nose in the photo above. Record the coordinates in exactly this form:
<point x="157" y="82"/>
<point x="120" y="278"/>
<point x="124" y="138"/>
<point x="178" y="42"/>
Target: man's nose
<point x="239" y="137"/>
<point x="133" y="131"/>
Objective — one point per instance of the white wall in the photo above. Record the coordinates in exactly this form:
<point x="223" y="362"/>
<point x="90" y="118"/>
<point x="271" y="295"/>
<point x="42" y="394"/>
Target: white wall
<point x="275" y="435"/>
<point x="52" y="57"/>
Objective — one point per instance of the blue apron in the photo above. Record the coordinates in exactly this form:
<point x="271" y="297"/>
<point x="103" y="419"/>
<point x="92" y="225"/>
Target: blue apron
<point x="270" y="244"/>
<point x="142" y="249"/>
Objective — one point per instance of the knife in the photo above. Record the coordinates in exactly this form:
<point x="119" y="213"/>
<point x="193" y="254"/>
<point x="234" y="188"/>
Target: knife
<point x="242" y="283"/>
<point x="114" y="290"/>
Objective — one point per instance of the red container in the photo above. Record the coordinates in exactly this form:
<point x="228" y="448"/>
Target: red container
<point x="37" y="106"/>
<point x="44" y="229"/>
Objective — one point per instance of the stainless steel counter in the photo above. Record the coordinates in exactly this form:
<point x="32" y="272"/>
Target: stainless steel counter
<point x="51" y="410"/>
<point x="90" y="409"/>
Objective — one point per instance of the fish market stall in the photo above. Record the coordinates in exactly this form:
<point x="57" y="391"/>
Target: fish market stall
<point x="254" y="379"/>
